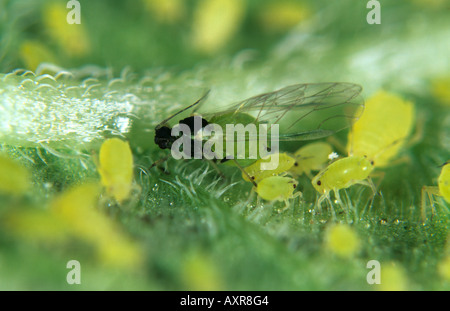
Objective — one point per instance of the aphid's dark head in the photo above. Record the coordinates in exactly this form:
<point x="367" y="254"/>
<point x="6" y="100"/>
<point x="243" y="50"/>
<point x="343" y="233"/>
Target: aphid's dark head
<point x="164" y="138"/>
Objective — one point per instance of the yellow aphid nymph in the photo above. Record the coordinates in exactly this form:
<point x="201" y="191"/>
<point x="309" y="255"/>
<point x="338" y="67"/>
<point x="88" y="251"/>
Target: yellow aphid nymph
<point x="116" y="168"/>
<point x="311" y="157"/>
<point x="277" y="188"/>
<point x="443" y="188"/>
<point x="383" y="128"/>
<point x="444" y="182"/>
<point x="256" y="173"/>
<point x="341" y="174"/>
<point x="342" y="240"/>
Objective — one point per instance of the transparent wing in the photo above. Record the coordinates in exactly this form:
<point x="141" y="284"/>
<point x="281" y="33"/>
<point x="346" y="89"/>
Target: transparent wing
<point x="303" y="111"/>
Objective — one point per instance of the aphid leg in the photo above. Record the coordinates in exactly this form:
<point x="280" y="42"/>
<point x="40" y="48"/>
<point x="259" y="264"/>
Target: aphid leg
<point x="319" y="202"/>
<point x="429" y="191"/>
<point x="338" y="197"/>
<point x="286" y="201"/>
<point x="297" y="194"/>
<point x="372" y="186"/>
<point x="321" y="199"/>
<point x="285" y="208"/>
<point x="157" y="163"/>
<point x="379" y="174"/>
<point x="244" y="172"/>
<point x="368" y="183"/>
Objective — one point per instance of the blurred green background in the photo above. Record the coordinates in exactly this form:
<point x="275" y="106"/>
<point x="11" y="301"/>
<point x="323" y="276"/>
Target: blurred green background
<point x="64" y="88"/>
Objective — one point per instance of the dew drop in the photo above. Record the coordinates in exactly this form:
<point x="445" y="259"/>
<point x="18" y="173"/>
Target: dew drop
<point x="155" y="187"/>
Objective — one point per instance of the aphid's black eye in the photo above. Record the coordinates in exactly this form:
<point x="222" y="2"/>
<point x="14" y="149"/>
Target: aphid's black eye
<point x="373" y="163"/>
<point x="295" y="186"/>
<point x="252" y="177"/>
<point x="319" y="183"/>
<point x="295" y="164"/>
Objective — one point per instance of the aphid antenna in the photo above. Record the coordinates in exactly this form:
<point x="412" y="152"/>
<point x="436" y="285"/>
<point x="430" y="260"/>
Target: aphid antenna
<point x="201" y="101"/>
<point x="321" y="199"/>
<point x="182" y="110"/>
<point x="380" y="152"/>
<point x="444" y="164"/>
<point x="244" y="172"/>
<point x="369" y="183"/>
<point x="418" y="133"/>
<point x="352" y="208"/>
<point x="430" y="191"/>
<point x="300" y="157"/>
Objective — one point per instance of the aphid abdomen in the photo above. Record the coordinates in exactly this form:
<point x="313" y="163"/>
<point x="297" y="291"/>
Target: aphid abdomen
<point x="381" y="131"/>
<point x="240" y="137"/>
<point x="351" y="170"/>
<point x="443" y="189"/>
<point x="342" y="174"/>
<point x="195" y="123"/>
<point x="276" y="188"/>
<point x="256" y="172"/>
<point x="311" y="157"/>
